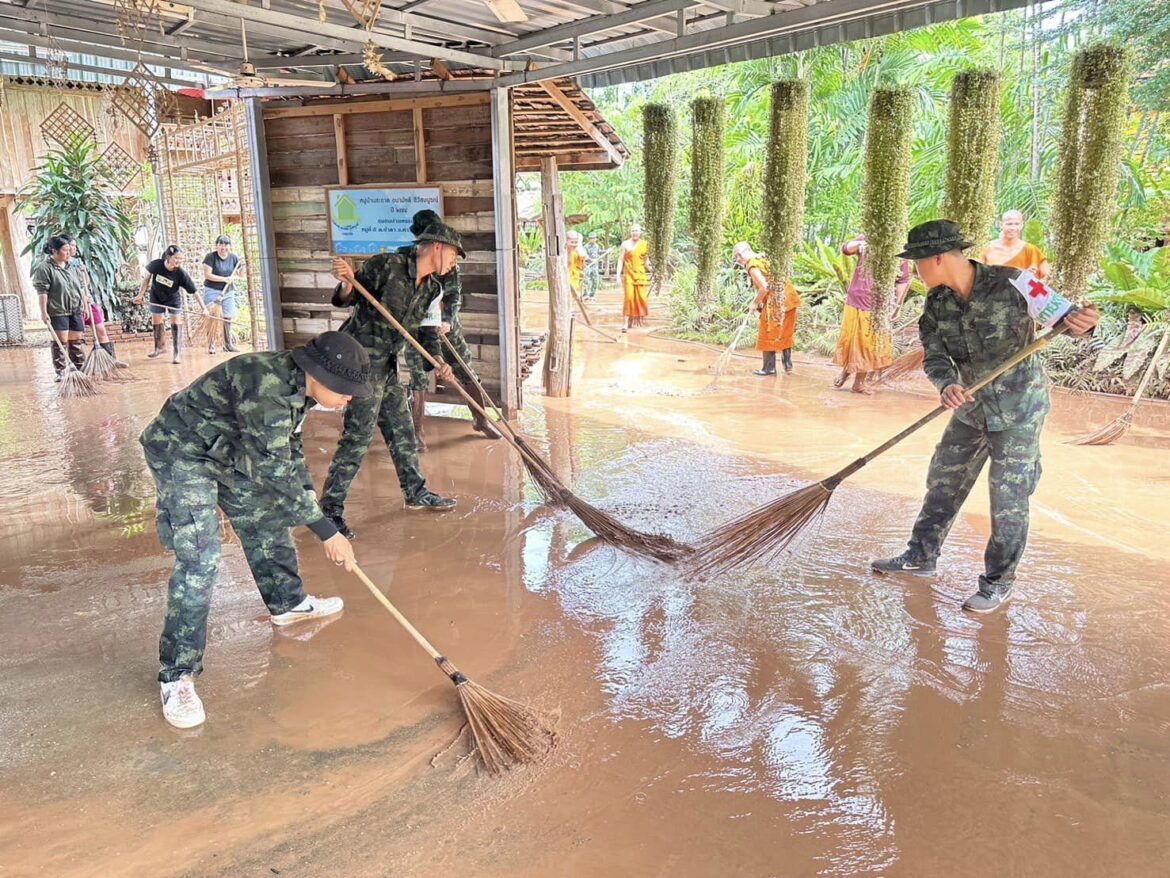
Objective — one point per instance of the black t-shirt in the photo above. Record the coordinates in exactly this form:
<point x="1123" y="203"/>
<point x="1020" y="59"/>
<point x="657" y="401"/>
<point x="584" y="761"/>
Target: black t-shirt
<point x="165" y="285"/>
<point x="220" y="268"/>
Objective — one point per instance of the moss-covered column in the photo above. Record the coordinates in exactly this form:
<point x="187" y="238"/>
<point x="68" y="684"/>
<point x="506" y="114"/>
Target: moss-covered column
<point x="972" y="152"/>
<point x="660" y="187"/>
<point x="784" y="179"/>
<point x="705" y="222"/>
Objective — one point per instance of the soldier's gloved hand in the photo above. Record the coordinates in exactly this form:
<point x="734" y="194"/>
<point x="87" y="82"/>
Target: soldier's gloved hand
<point x="954" y="396"/>
<point x="339" y="550"/>
<point x="444" y="373"/>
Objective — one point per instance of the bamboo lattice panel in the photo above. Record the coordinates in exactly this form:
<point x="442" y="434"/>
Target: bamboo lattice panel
<point x="143" y="100"/>
<point x="65" y="124"/>
<point x="119" y="166"/>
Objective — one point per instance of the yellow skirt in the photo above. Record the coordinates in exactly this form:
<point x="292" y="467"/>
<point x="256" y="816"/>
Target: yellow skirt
<point x="859" y="348"/>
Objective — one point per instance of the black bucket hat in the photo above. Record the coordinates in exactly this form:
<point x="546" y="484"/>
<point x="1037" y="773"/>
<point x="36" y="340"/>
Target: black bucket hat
<point x="338" y="361"/>
<point x="441" y="233"/>
<point x="422" y="220"/>
<point x="932" y="238"/>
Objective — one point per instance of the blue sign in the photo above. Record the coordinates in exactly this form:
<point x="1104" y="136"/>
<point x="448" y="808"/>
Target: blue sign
<point x="365" y="221"/>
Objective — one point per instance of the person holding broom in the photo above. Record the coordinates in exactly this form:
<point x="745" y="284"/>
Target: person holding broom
<point x="861" y="349"/>
<point x="165" y="279"/>
<point x="442" y="319"/>
<point x="974" y="319"/>
<point x="405" y="284"/>
<point x="61" y="292"/>
<point x="92" y="313"/>
<point x="232" y="439"/>
<point x="220" y="268"/>
<point x="777" y="310"/>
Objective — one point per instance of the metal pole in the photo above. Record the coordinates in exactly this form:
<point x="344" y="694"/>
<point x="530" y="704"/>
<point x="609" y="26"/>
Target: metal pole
<point x="507" y="292"/>
<point x="265" y="234"/>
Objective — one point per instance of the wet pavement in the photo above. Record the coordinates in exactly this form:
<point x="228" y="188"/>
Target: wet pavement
<point x="802" y="717"/>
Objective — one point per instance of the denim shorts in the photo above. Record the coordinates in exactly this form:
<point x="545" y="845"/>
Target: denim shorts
<point x="171" y="310"/>
<point x="226" y="298"/>
<point x="67" y="322"/>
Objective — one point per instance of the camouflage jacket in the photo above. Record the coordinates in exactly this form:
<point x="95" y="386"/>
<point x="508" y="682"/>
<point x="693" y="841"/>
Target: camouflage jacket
<point x="452" y="284"/>
<point x="963" y="341"/>
<point x="245" y="416"/>
<point x="390" y="278"/>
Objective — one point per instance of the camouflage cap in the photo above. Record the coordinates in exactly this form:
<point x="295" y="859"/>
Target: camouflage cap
<point x="421" y="220"/>
<point x="441" y="233"/>
<point x="932" y="238"/>
<point x="338" y="361"/>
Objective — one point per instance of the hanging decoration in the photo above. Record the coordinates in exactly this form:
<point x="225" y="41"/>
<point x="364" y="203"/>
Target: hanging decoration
<point x="785" y="177"/>
<point x="65" y="125"/>
<point x="144" y="100"/>
<point x="364" y="12"/>
<point x="660" y="161"/>
<point x="372" y="61"/>
<point x="133" y="17"/>
<point x="57" y="60"/>
<point x="972" y="152"/>
<point x="118" y="166"/>
<point x="706" y="208"/>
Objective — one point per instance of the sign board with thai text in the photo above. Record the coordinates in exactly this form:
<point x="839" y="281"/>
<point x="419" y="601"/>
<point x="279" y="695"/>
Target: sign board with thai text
<point x="367" y="220"/>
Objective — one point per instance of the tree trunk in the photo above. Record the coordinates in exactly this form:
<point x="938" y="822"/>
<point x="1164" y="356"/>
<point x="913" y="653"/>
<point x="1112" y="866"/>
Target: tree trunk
<point x="559" y="350"/>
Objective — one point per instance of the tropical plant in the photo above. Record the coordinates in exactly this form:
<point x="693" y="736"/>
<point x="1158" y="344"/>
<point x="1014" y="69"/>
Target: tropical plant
<point x="784" y="180"/>
<point x="1090" y="163"/>
<point x="1139" y="282"/>
<point x="706" y="202"/>
<point x="972" y="150"/>
<point x="71" y="192"/>
<point x="887" y="192"/>
<point x="660" y="164"/>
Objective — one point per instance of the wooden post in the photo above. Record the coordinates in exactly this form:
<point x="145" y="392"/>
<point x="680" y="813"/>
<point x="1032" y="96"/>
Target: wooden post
<point x="339" y="139"/>
<point x="420" y="147"/>
<point x="559" y="351"/>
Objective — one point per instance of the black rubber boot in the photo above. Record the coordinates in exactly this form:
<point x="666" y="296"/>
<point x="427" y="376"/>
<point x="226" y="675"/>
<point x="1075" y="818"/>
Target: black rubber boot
<point x="228" y="342"/>
<point x="786" y="359"/>
<point x="58" y="356"/>
<point x="159" y="331"/>
<point x="76" y="354"/>
<point x="177" y="358"/>
<point x="108" y="347"/>
<point x="769" y="365"/>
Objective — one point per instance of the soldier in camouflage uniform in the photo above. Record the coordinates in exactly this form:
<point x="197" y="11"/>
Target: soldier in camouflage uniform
<point x="232" y="439"/>
<point x="405" y="284"/>
<point x="443" y="317"/>
<point x="974" y="320"/>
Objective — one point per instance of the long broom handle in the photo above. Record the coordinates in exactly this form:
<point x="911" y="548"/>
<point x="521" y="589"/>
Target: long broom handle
<point x="203" y="314"/>
<point x="397" y="614"/>
<point x="1145" y="382"/>
<point x="1011" y="363"/>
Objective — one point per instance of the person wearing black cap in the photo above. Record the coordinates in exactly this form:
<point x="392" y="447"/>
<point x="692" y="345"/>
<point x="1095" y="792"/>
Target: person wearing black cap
<point x="405" y="284"/>
<point x="232" y="439"/>
<point x="976" y="318"/>
<point x="442" y="317"/>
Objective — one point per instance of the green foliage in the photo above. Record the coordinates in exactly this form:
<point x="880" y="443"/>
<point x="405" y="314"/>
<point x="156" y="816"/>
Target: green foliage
<point x="972" y="149"/>
<point x="1138" y="280"/>
<point x="72" y="193"/>
<point x="660" y="165"/>
<point x="887" y="192"/>
<point x="706" y="207"/>
<point x="784" y="178"/>
<point x="1090" y="163"/>
<point x="731" y="294"/>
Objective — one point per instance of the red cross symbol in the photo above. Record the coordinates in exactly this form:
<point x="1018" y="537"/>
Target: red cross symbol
<point x="1036" y="289"/>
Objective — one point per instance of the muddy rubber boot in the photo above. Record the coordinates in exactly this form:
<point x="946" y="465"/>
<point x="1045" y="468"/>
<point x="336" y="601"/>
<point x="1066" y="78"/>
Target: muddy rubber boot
<point x="76" y="354"/>
<point x="159" y="330"/>
<point x="768" y="367"/>
<point x="229" y="343"/>
<point x="58" y="357"/>
<point x="418" y="405"/>
<point x="108" y="347"/>
<point x="177" y="358"/>
<point x="786" y="359"/>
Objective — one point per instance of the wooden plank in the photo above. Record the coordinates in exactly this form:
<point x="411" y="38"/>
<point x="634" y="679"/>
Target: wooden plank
<point x="328" y="108"/>
<point x="277" y="127"/>
<point x="420" y="147"/>
<point x="458" y="117"/>
<point x="289" y="209"/>
<point x="362" y="175"/>
<point x="475" y="152"/>
<point x="397" y="121"/>
<point x="394" y="138"/>
<point x="469" y="134"/>
<point x="340" y="146"/>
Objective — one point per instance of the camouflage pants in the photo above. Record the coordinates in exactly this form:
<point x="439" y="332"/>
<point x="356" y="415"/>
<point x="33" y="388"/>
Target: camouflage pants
<point x="592" y="281"/>
<point x="386" y="408"/>
<point x="414" y="360"/>
<point x="188" y="492"/>
<point x="1015" y="472"/>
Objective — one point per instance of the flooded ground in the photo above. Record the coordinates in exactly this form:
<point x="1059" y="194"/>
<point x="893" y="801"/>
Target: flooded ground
<point x="800" y="718"/>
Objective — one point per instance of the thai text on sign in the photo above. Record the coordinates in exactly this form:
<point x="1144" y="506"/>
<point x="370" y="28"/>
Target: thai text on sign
<point x="364" y="221"/>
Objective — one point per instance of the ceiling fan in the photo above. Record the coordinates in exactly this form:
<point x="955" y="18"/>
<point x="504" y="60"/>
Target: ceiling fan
<point x="247" y="77"/>
<point x="507" y="11"/>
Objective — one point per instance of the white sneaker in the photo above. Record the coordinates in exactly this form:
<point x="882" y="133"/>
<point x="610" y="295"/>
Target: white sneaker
<point x="309" y="608"/>
<point x="181" y="706"/>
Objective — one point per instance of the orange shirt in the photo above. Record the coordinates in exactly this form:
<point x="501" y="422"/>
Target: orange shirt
<point x="791" y="296"/>
<point x="1029" y="258"/>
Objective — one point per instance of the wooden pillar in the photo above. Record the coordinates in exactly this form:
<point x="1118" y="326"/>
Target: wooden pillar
<point x="559" y="350"/>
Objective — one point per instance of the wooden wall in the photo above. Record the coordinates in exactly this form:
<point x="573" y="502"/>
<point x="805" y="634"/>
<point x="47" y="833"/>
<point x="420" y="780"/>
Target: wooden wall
<point x="440" y="140"/>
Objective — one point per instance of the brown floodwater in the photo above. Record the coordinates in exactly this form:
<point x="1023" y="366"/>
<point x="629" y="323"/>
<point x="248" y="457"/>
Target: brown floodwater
<point x="802" y="717"/>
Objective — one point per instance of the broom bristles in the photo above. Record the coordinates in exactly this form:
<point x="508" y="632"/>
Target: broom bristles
<point x="75" y="384"/>
<point x="903" y="366"/>
<point x="506" y="732"/>
<point x="763" y="532"/>
<point x="99" y="364"/>
<point x="1111" y="432"/>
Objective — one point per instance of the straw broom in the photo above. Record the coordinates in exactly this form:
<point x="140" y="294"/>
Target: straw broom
<point x="657" y="546"/>
<point x="98" y="362"/>
<point x="1118" y="427"/>
<point x="772" y="528"/>
<point x="720" y="365"/>
<point x="506" y="732"/>
<point x="74" y="383"/>
<point x="905" y="365"/>
<point x="588" y="321"/>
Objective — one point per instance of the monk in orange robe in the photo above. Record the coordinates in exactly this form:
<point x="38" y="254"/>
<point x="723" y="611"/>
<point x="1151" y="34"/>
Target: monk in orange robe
<point x="577" y="259"/>
<point x="777" y="310"/>
<point x="1011" y="249"/>
<point x="635" y="279"/>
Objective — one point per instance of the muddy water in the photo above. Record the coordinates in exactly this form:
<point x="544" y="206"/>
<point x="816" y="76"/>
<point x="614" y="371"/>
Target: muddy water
<point x="800" y="718"/>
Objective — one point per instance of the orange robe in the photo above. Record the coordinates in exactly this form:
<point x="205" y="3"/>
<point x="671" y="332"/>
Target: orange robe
<point x="576" y="268"/>
<point x="635" y="281"/>
<point x="1030" y="258"/>
<point x="777" y="321"/>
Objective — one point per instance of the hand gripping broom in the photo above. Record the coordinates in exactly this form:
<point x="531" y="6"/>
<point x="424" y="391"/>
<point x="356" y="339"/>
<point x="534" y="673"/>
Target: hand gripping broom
<point x="657" y="546"/>
<point x="1118" y="427"/>
<point x="506" y="732"/>
<point x="772" y="528"/>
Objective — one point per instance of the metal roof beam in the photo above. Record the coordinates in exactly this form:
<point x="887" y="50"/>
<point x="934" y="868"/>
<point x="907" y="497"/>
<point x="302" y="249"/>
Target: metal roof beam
<point x="113" y="72"/>
<point x="592" y="25"/>
<point x="83" y="47"/>
<point x="744" y="7"/>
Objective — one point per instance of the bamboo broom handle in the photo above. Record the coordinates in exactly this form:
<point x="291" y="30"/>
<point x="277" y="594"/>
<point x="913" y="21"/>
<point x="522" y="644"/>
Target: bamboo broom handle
<point x="394" y="611"/>
<point x="1153" y="365"/>
<point x="474" y="380"/>
<point x="1011" y="363"/>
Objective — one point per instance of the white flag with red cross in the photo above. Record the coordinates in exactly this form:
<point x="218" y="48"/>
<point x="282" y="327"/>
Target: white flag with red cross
<point x="1045" y="304"/>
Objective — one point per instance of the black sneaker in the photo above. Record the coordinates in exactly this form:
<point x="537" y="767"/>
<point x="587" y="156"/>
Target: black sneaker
<point x="342" y="527"/>
<point x="429" y="500"/>
<point x="904" y="563"/>
<point x="988" y="601"/>
<point x="763" y="373"/>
